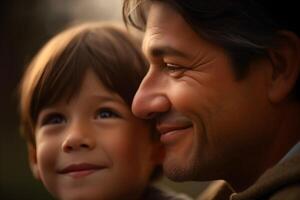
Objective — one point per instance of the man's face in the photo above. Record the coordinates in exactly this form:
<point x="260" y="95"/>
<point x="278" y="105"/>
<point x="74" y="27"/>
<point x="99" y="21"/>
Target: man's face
<point x="208" y="120"/>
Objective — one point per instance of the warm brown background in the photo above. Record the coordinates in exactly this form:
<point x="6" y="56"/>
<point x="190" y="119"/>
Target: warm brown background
<point x="25" y="26"/>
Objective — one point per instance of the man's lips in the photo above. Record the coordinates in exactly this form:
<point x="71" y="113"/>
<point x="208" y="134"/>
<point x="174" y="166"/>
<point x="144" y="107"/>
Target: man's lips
<point x="80" y="169"/>
<point x="167" y="128"/>
<point x="172" y="127"/>
<point x="172" y="133"/>
<point x="172" y="121"/>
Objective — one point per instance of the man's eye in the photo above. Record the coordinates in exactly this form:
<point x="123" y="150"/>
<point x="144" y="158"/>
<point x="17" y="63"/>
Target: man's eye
<point x="173" y="69"/>
<point x="53" y="118"/>
<point x="106" y="113"/>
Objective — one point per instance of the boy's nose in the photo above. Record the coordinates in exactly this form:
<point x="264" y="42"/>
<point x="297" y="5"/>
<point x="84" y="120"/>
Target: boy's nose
<point x="78" y="138"/>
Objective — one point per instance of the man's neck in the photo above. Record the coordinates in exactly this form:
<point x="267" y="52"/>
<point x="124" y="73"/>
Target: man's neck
<point x="286" y="136"/>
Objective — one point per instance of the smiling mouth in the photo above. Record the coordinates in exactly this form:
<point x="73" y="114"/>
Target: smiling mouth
<point x="169" y="129"/>
<point x="169" y="134"/>
<point x="80" y="170"/>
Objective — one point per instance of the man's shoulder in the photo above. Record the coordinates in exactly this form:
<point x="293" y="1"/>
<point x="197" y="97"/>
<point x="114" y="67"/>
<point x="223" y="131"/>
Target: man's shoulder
<point x="217" y="190"/>
<point x="279" y="182"/>
<point x="290" y="192"/>
<point x="158" y="193"/>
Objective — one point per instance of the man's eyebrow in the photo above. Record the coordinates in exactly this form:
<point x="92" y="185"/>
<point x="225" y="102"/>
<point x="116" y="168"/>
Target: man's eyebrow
<point x="159" y="51"/>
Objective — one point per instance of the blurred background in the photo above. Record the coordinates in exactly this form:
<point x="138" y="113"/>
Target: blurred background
<point x="25" y="27"/>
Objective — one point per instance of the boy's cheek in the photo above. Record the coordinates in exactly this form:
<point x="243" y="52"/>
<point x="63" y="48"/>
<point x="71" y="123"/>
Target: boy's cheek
<point x="32" y="156"/>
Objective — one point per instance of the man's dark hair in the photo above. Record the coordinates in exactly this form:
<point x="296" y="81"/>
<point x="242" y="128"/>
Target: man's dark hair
<point x="245" y="28"/>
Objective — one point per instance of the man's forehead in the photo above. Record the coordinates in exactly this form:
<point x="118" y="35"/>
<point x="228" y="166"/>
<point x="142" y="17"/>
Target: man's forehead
<point x="166" y="30"/>
<point x="162" y="20"/>
<point x="161" y="13"/>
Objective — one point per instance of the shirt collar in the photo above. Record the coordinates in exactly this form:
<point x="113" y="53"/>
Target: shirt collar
<point x="295" y="150"/>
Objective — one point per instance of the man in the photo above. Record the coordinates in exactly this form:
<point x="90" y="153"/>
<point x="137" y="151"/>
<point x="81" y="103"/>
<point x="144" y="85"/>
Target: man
<point x="223" y="88"/>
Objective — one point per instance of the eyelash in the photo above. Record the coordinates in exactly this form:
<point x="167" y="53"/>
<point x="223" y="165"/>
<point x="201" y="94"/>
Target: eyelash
<point x="52" y="119"/>
<point x="109" y="113"/>
<point x="58" y="118"/>
<point x="174" y="69"/>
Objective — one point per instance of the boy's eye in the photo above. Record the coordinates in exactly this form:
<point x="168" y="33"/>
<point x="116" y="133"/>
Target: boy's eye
<point x="106" y="113"/>
<point x="53" y="118"/>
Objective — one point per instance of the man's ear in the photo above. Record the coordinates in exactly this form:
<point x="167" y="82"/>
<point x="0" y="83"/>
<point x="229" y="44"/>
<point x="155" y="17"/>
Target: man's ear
<point x="285" y="60"/>
<point x="33" y="161"/>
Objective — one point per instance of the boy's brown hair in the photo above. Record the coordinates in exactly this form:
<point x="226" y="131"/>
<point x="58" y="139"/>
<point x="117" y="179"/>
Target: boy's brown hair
<point x="58" y="69"/>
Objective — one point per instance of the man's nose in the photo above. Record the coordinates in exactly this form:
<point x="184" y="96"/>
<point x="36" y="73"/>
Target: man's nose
<point x="78" y="137"/>
<point x="150" y="99"/>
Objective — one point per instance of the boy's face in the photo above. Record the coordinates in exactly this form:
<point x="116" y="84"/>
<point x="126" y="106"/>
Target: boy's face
<point x="93" y="147"/>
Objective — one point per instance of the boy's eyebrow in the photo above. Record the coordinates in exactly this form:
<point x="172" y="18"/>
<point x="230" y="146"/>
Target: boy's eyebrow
<point x="106" y="98"/>
<point x="102" y="98"/>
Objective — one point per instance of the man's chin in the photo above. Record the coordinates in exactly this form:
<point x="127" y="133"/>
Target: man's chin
<point x="176" y="171"/>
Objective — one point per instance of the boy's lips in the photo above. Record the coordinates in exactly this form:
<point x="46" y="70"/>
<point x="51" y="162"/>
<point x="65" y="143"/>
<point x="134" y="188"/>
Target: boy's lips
<point x="81" y="169"/>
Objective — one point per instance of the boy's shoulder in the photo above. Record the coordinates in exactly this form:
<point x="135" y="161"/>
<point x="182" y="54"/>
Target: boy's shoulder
<point x="156" y="193"/>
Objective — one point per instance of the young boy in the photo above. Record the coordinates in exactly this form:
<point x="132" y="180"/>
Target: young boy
<point x="83" y="140"/>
